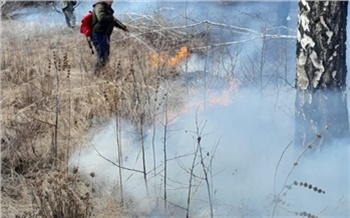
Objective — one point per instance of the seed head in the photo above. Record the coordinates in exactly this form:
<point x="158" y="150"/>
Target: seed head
<point x="92" y="174"/>
<point x="75" y="170"/>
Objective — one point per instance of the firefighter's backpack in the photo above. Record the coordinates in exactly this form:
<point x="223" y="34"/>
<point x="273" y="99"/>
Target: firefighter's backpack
<point x="86" y="28"/>
<point x="86" y="24"/>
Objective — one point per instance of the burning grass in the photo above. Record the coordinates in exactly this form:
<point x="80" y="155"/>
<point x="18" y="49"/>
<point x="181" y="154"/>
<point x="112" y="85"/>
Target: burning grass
<point x="165" y="59"/>
<point x="51" y="104"/>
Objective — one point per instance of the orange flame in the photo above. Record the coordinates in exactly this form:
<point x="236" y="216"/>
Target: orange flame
<point x="163" y="58"/>
<point x="226" y="95"/>
<point x="213" y="98"/>
<point x="224" y="99"/>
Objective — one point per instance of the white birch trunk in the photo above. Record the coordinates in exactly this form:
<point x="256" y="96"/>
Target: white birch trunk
<point x="321" y="73"/>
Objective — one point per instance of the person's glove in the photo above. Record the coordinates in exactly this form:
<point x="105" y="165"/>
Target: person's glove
<point x="126" y="30"/>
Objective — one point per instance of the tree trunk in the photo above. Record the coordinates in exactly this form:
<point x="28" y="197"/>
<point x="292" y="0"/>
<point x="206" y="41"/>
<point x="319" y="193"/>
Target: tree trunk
<point x="321" y="105"/>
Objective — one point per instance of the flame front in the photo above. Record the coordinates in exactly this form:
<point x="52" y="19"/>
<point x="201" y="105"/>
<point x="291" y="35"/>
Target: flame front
<point x="163" y="58"/>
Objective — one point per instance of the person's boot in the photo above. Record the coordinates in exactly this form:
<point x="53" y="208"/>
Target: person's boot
<point x="97" y="69"/>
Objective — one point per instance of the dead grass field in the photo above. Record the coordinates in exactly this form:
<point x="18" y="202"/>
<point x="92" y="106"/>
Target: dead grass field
<point x="51" y="103"/>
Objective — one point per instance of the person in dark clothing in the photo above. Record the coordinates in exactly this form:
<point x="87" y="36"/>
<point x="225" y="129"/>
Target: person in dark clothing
<point x="68" y="11"/>
<point x="103" y="22"/>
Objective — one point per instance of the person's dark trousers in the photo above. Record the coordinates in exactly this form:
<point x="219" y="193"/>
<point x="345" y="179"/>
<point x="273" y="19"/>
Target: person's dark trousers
<point x="102" y="44"/>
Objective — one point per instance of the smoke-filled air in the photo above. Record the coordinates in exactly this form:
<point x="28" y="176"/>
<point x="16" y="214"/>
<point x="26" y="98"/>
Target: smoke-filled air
<point x="194" y="116"/>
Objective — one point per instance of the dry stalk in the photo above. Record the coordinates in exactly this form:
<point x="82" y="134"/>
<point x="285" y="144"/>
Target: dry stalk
<point x="277" y="198"/>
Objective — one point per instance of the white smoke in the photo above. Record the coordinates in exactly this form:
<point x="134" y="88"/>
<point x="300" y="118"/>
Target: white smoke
<point x="245" y="141"/>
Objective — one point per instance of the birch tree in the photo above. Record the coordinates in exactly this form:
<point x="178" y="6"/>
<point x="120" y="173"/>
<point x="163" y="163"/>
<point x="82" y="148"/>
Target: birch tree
<point x="321" y="105"/>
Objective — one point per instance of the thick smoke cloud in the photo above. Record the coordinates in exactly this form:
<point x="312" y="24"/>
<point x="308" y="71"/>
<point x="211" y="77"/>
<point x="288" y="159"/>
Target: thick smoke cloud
<point x="245" y="141"/>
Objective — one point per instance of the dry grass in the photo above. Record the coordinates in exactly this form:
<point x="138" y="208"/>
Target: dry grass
<point x="51" y="103"/>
